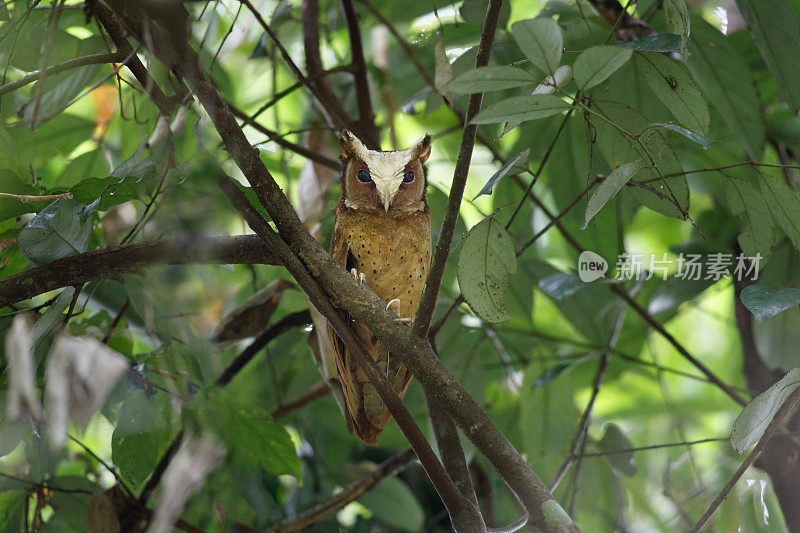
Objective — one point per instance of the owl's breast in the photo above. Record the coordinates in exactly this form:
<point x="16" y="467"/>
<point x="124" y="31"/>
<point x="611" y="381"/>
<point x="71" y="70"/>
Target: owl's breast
<point x="393" y="253"/>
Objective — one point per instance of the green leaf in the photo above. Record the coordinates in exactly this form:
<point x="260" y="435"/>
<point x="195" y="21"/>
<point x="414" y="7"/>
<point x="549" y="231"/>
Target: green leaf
<point x="394" y="504"/>
<point x="490" y="79"/>
<point x="518" y="162"/>
<point x="522" y="108"/>
<point x="728" y="84"/>
<point x="562" y="285"/>
<point x="139" y="438"/>
<point x="597" y="63"/>
<point x="112" y="190"/>
<point x="677" y="18"/>
<point x="668" y="42"/>
<point x="765" y="301"/>
<point x="59" y="136"/>
<point x="777" y="339"/>
<point x="12" y="505"/>
<point x="614" y="439"/>
<point x="672" y="84"/>
<point x="58" y="231"/>
<point x="12" y="434"/>
<point x="9" y="208"/>
<point x="609" y="187"/>
<point x="692" y="136"/>
<point x="776" y="31"/>
<point x="669" y="197"/>
<point x="541" y="41"/>
<point x="746" y="202"/>
<point x="550" y="374"/>
<point x="59" y="91"/>
<point x="486" y="261"/>
<point x="45" y="329"/>
<point x="70" y="505"/>
<point x="251" y="439"/>
<point x="784" y="205"/>
<point x="756" y="416"/>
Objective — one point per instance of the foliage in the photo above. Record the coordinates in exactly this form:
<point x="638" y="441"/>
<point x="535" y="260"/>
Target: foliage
<point x="649" y="132"/>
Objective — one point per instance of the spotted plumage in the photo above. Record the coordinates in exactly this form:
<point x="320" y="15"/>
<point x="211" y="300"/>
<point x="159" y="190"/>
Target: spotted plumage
<point x="382" y="230"/>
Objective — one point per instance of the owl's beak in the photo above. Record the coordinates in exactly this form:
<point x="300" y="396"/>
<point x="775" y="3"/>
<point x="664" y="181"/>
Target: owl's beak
<point x="386" y="191"/>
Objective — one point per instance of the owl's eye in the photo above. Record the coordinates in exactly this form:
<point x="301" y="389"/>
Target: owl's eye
<point x="408" y="177"/>
<point x="363" y="176"/>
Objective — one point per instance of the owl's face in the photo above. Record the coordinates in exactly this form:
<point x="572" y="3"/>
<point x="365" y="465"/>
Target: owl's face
<point x="387" y="181"/>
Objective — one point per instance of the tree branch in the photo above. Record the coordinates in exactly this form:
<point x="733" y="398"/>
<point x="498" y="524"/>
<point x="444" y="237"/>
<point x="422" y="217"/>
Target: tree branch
<point x="114" y="29"/>
<point x="366" y="118"/>
<point x="353" y="491"/>
<point x="117" y="259"/>
<point x="286" y="323"/>
<point x="92" y="59"/>
<point x="283" y="143"/>
<point x="457" y="507"/>
<point x="365" y="307"/>
<point x="317" y="391"/>
<point x="434" y="280"/>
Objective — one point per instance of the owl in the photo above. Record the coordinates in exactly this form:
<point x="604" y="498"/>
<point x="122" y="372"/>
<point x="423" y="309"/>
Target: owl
<point x="382" y="235"/>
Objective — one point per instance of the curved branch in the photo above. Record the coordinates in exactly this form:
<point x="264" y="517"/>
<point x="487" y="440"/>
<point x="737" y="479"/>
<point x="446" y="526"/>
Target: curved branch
<point x="121" y="258"/>
<point x="365" y="307"/>
<point x="457" y="507"/>
<point x="353" y="491"/>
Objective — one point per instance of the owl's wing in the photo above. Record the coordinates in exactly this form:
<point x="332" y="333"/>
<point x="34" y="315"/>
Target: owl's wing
<point x="340" y="252"/>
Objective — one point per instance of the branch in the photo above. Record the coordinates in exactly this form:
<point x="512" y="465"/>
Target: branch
<point x="777" y="460"/>
<point x="457" y="507"/>
<point x="445" y="430"/>
<point x="92" y="59"/>
<point x="283" y="143"/>
<point x="326" y="98"/>
<point x="434" y="280"/>
<point x="286" y="323"/>
<point x="366" y="118"/>
<point x="353" y="491"/>
<point x="317" y="391"/>
<point x="365" y="307"/>
<point x="784" y="411"/>
<point x="117" y="259"/>
<point x="647" y="317"/>
<point x="114" y="29"/>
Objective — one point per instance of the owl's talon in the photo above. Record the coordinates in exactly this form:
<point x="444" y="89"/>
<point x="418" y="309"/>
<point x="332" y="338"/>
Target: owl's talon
<point x="396" y="303"/>
<point x="359" y="276"/>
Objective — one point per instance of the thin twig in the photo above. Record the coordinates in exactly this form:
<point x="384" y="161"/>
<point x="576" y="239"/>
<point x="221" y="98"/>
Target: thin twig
<point x="316" y="391"/>
<point x="784" y="411"/>
<point x="30" y="199"/>
<point x="286" y="323"/>
<point x="654" y="447"/>
<point x="283" y="143"/>
<point x="75" y="62"/>
<point x="351" y="493"/>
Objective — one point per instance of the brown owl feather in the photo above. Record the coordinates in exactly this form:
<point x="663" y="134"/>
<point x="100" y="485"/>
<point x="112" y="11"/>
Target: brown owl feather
<point x="383" y="231"/>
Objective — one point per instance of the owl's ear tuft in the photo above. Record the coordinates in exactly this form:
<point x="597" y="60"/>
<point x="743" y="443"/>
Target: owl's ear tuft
<point x="422" y="150"/>
<point x="349" y="143"/>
